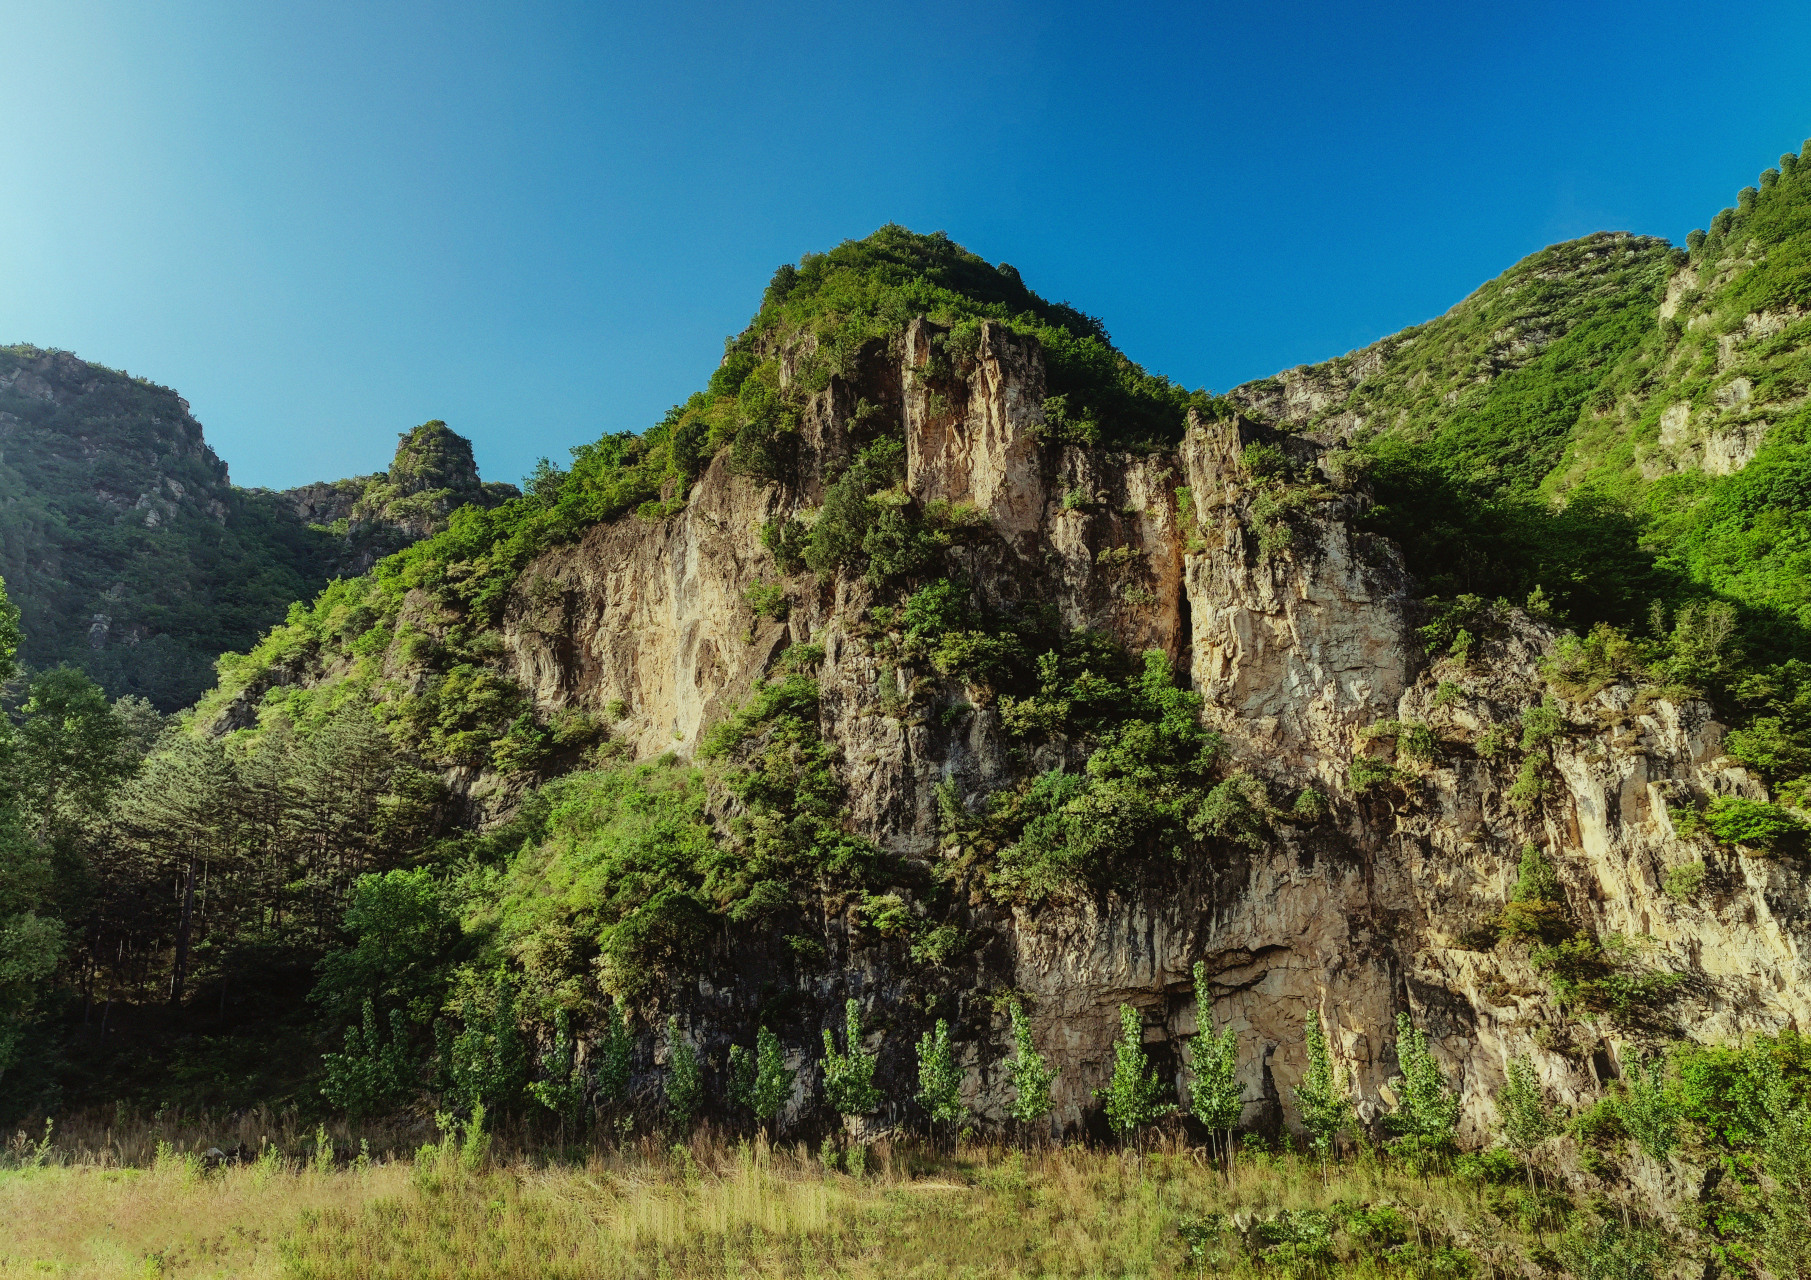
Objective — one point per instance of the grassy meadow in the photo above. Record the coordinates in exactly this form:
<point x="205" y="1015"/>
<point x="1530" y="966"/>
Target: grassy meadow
<point x="148" y="1203"/>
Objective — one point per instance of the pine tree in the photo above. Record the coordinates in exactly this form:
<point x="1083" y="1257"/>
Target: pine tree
<point x="849" y="1077"/>
<point x="1427" y="1113"/>
<point x="1135" y="1096"/>
<point x="685" y="1081"/>
<point x="1029" y="1073"/>
<point x="1325" y="1102"/>
<point x="939" y="1079"/>
<point x="1215" y="1096"/>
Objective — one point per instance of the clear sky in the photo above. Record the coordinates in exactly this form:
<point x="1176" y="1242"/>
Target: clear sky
<point x="324" y="223"/>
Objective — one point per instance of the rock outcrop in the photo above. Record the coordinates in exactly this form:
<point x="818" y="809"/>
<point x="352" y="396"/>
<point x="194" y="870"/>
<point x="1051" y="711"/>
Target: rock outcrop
<point x="1301" y="633"/>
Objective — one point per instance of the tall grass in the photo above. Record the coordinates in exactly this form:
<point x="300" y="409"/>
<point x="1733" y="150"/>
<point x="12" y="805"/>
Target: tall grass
<point x="717" y="1208"/>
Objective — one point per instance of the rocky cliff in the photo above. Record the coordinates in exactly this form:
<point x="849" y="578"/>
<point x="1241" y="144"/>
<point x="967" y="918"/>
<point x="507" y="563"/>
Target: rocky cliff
<point x="1438" y="753"/>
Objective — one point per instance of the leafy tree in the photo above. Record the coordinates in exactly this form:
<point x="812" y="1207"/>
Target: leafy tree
<point x="1785" y="1166"/>
<point x="371" y="1076"/>
<point x="404" y="936"/>
<point x="849" y="1076"/>
<point x="1526" y="1119"/>
<point x="561" y="1088"/>
<point x="487" y="1061"/>
<point x="71" y="750"/>
<point x="1649" y="1109"/>
<point x="1215" y="1095"/>
<point x="1135" y="1096"/>
<point x="1029" y="1073"/>
<point x="1324" y="1099"/>
<point x="939" y="1079"/>
<point x="1427" y="1113"/>
<point x="760" y="1081"/>
<point x="685" y="1080"/>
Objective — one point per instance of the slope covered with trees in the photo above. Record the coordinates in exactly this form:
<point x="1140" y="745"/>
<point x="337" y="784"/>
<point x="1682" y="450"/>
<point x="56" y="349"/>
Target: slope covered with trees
<point x="130" y="555"/>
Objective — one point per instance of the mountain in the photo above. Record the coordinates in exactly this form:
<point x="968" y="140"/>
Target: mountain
<point x="935" y="658"/>
<point x="130" y="554"/>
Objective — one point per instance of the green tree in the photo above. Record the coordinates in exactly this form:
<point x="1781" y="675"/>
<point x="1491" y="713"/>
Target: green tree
<point x="760" y="1081"/>
<point x="371" y="1076"/>
<point x="561" y="1088"/>
<point x="1029" y="1073"/>
<point x="1323" y="1097"/>
<point x="939" y="1079"/>
<point x="685" y="1080"/>
<point x="404" y="937"/>
<point x="849" y="1077"/>
<point x="1135" y="1096"/>
<point x="72" y="750"/>
<point x="1427" y="1111"/>
<point x="1215" y="1095"/>
<point x="1525" y="1119"/>
<point x="1649" y="1109"/>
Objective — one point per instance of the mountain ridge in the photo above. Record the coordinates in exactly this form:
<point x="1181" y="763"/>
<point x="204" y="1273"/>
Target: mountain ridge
<point x="132" y="555"/>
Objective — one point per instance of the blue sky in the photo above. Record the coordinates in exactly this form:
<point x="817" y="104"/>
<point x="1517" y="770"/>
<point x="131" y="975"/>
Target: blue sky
<point x="324" y="223"/>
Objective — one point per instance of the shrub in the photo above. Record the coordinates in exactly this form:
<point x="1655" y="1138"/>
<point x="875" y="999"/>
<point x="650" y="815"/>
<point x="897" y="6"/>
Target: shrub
<point x="1682" y="884"/>
<point x="1740" y="821"/>
<point x="1530" y="785"/>
<point x="1542" y="724"/>
<point x="767" y="599"/>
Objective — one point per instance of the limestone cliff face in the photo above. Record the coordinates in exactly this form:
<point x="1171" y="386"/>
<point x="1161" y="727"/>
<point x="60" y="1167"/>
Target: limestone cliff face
<point x="1300" y="631"/>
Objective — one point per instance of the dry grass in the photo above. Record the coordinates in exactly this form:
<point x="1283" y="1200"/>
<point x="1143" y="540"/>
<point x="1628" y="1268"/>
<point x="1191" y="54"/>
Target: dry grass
<point x="719" y="1210"/>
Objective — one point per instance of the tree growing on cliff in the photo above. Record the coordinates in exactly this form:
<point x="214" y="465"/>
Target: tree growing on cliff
<point x="1215" y="1095"/>
<point x="1134" y="1097"/>
<point x="849" y="1076"/>
<point x="1323" y="1096"/>
<point x="1427" y="1112"/>
<point x="1029" y="1073"/>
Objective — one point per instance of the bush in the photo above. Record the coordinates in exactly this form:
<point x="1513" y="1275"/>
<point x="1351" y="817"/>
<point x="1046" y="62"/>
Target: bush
<point x="1740" y="821"/>
<point x="1683" y="884"/>
<point x="767" y="599"/>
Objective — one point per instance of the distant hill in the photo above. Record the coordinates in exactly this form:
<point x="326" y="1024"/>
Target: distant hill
<point x="131" y="554"/>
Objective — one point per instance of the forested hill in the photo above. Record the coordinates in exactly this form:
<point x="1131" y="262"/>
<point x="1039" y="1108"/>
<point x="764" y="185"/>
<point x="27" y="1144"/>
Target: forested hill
<point x="130" y="554"/>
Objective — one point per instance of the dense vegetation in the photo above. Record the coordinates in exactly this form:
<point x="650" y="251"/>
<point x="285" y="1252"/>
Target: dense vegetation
<point x="1580" y="427"/>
